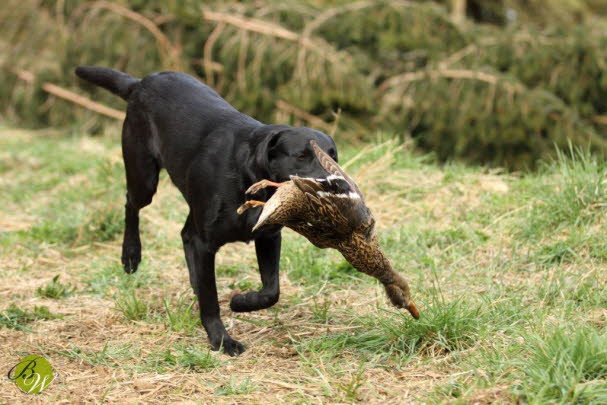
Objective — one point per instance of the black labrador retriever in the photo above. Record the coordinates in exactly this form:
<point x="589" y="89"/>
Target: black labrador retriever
<point x="212" y="153"/>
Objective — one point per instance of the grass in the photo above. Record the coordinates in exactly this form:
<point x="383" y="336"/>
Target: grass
<point x="566" y="367"/>
<point x="351" y="388"/>
<point x="446" y="327"/>
<point x="575" y="193"/>
<point x="55" y="289"/>
<point x="182" y="356"/>
<point x="508" y="271"/>
<point x="19" y="319"/>
<point x="196" y="359"/>
<point x="133" y="308"/>
<point x="107" y="278"/>
<point x="181" y="317"/>
<point x="234" y="387"/>
<point x="108" y="356"/>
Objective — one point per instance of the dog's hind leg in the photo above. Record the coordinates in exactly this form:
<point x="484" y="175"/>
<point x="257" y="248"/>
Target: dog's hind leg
<point x="142" y="171"/>
<point x="187" y="236"/>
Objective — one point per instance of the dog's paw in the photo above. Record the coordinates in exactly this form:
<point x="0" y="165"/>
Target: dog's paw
<point x="230" y="346"/>
<point x="252" y="301"/>
<point x="131" y="257"/>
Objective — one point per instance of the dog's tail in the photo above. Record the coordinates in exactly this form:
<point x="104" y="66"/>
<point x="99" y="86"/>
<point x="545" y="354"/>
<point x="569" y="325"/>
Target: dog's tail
<point x="115" y="81"/>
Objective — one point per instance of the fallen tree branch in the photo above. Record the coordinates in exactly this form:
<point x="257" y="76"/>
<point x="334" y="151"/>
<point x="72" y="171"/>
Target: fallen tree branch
<point x="60" y="92"/>
<point x="449" y="74"/>
<point x="207" y="58"/>
<point x="458" y="11"/>
<point x="600" y="119"/>
<point x="320" y="20"/>
<point x="312" y="119"/>
<point x="323" y="17"/>
<point x="251" y="24"/>
<point x="267" y="28"/>
<point x="168" y="49"/>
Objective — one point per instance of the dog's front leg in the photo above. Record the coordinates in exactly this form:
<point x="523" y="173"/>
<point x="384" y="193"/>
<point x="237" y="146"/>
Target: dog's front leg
<point x="208" y="302"/>
<point x="131" y="245"/>
<point x="268" y="259"/>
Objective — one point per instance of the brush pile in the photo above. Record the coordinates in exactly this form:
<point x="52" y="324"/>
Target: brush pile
<point x="500" y="87"/>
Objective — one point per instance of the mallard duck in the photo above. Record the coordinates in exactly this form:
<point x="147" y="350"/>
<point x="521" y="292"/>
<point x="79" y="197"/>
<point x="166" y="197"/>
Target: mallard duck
<point x="331" y="213"/>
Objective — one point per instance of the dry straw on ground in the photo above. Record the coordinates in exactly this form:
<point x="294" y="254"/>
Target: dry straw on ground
<point x="274" y="369"/>
<point x="480" y="90"/>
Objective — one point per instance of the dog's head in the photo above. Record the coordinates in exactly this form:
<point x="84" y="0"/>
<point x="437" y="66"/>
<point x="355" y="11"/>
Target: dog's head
<point x="287" y="151"/>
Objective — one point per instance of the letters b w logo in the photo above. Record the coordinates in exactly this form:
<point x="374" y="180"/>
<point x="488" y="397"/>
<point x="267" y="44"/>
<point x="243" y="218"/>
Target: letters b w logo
<point x="32" y="374"/>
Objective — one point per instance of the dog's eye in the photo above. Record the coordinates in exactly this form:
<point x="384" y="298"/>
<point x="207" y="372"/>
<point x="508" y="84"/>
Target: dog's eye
<point x="301" y="157"/>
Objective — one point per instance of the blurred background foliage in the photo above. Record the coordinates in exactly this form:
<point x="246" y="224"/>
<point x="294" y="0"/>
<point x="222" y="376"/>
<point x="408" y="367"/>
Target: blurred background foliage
<point x="496" y="82"/>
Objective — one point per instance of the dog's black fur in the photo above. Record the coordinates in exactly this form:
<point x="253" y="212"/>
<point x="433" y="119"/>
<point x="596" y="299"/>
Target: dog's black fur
<point x="212" y="153"/>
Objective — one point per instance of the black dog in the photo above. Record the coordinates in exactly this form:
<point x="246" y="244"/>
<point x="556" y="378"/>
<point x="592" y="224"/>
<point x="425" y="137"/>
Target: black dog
<point x="212" y="153"/>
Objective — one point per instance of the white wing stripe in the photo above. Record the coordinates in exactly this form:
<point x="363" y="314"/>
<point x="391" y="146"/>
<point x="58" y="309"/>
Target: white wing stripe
<point x="352" y="195"/>
<point x="335" y="177"/>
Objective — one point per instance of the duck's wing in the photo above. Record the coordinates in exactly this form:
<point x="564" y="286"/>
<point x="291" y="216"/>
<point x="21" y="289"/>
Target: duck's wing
<point x="334" y="170"/>
<point x="334" y="200"/>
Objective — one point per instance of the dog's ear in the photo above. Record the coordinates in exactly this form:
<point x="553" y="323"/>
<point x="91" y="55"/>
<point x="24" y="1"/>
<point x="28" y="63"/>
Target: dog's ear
<point x="273" y="143"/>
<point x="267" y="148"/>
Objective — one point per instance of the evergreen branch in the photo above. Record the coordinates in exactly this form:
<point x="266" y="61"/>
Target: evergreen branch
<point x="170" y="51"/>
<point x="60" y="92"/>
<point x="207" y="59"/>
<point x="462" y="74"/>
<point x="271" y="29"/>
<point x="299" y="113"/>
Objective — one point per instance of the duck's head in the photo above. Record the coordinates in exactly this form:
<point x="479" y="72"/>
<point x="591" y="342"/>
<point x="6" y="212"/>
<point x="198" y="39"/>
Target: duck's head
<point x="400" y="296"/>
<point x="366" y="256"/>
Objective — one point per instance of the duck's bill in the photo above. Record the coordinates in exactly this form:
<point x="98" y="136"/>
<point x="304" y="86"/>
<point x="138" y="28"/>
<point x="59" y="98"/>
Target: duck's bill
<point x="412" y="309"/>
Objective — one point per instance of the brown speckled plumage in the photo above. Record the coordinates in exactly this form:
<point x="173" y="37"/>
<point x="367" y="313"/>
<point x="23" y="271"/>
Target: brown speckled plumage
<point x="331" y="213"/>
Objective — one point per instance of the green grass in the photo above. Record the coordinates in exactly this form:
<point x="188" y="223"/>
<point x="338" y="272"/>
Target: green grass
<point x="182" y="356"/>
<point x="109" y="356"/>
<point x="575" y="193"/>
<point x="20" y="319"/>
<point x="235" y="387"/>
<point x="176" y="356"/>
<point x="351" y="387"/>
<point x="196" y="359"/>
<point x="508" y="272"/>
<point x="321" y="311"/>
<point x="304" y="263"/>
<point x="55" y="289"/>
<point x="566" y="367"/>
<point x="132" y="307"/>
<point x="180" y="316"/>
<point x="445" y="327"/>
<point x="107" y="278"/>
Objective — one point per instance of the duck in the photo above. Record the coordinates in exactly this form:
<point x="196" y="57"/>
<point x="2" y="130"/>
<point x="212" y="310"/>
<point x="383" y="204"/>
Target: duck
<point x="331" y="213"/>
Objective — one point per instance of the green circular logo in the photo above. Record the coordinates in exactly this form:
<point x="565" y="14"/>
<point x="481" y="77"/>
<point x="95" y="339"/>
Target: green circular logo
<point x="32" y="374"/>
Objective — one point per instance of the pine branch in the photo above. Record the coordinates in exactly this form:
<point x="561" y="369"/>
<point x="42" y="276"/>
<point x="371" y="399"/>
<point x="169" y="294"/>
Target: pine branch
<point x="62" y="93"/>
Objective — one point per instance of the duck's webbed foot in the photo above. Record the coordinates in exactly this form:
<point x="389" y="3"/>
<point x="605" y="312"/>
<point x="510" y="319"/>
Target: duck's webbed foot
<point x="249" y="204"/>
<point x="261" y="185"/>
